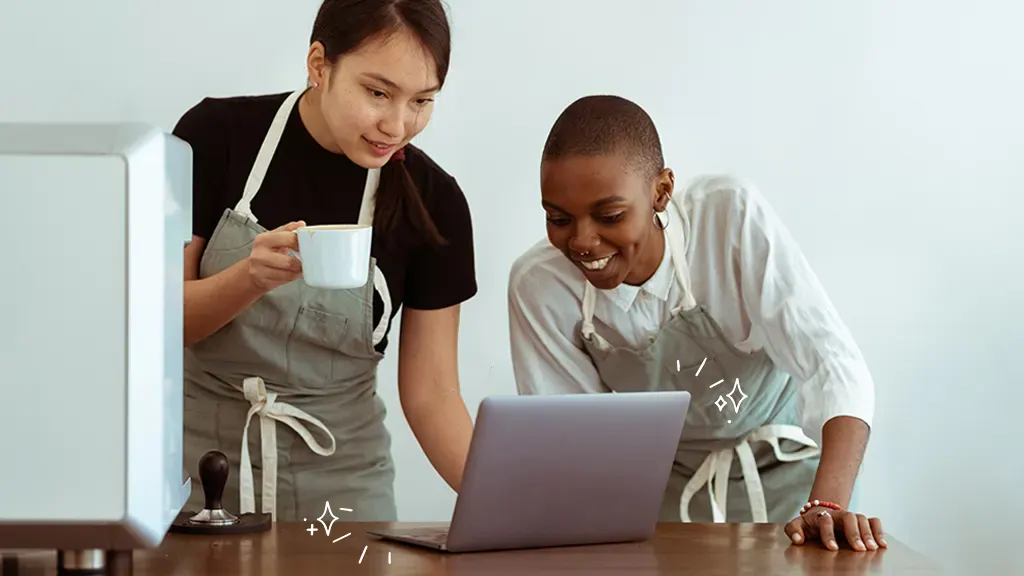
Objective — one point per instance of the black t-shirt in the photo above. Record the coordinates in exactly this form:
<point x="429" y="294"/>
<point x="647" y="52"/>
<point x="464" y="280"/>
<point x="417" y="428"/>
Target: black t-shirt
<point x="306" y="182"/>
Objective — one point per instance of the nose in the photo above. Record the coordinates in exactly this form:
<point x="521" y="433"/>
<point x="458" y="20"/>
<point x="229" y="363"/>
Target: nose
<point x="583" y="240"/>
<point x="392" y="122"/>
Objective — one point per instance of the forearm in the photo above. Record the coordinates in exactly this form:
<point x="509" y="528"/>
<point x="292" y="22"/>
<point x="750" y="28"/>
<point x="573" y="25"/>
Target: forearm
<point x="212" y="302"/>
<point x="843" y="442"/>
<point x="443" y="427"/>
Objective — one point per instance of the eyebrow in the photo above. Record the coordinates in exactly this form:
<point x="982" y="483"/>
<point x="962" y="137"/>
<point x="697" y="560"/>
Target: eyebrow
<point x="600" y="203"/>
<point x="392" y="85"/>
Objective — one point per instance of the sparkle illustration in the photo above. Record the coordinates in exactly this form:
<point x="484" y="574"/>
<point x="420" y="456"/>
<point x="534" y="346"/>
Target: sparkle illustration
<point x="736" y="403"/>
<point x="679" y="368"/>
<point x="732" y="395"/>
<point x="364" y="554"/>
<point x="328" y="513"/>
<point x="736" y="396"/>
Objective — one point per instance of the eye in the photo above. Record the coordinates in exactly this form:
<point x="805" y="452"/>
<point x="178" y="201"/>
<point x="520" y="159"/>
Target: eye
<point x="376" y="93"/>
<point x="612" y="218"/>
<point x="424" y="101"/>
<point x="557" y="220"/>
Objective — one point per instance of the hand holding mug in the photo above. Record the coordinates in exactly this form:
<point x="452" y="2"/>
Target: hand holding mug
<point x="270" y="261"/>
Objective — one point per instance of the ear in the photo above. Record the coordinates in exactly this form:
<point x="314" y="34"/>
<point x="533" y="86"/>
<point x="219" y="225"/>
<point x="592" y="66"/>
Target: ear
<point x="664" y="184"/>
<point x="316" y="64"/>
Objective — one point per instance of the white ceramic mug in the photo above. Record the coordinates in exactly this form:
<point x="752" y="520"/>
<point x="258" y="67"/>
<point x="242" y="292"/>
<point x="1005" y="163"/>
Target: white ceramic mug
<point x="336" y="256"/>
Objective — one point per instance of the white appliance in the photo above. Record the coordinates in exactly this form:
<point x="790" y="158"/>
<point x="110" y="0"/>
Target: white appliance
<point x="95" y="220"/>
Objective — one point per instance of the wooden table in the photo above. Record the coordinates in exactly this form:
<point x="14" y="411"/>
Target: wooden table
<point x="705" y="549"/>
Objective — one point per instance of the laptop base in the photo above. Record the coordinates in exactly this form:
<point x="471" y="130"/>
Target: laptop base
<point x="434" y="538"/>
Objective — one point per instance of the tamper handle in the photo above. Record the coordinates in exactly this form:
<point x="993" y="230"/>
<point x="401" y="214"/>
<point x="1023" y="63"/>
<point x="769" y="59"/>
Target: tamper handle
<point x="213" y="473"/>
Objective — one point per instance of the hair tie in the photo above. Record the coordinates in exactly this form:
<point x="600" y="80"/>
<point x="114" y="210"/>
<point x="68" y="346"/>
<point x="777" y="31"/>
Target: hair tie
<point x="399" y="155"/>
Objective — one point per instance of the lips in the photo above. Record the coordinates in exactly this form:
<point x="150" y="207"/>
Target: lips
<point x="596" y="264"/>
<point x="380" y="148"/>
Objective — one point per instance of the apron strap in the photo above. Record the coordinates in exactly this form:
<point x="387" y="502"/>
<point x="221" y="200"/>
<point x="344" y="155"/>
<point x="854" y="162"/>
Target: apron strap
<point x="269" y="409"/>
<point x="381" y="285"/>
<point x="369" y="203"/>
<point x="589" y="302"/>
<point x="716" y="467"/>
<point x="676" y="245"/>
<point x="265" y="155"/>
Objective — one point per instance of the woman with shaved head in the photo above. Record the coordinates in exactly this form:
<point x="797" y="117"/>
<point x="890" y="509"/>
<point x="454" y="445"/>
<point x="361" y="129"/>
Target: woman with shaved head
<point x="640" y="286"/>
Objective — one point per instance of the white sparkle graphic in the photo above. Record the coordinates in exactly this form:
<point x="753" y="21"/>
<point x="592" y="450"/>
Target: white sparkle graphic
<point x="736" y="388"/>
<point x="720" y="403"/>
<point x="327" y="511"/>
<point x="327" y="528"/>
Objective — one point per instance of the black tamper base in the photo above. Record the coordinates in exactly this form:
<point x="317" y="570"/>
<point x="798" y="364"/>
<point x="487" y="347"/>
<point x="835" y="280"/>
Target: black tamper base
<point x="247" y="524"/>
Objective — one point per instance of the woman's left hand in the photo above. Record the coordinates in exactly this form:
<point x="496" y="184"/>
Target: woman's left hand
<point x="827" y="525"/>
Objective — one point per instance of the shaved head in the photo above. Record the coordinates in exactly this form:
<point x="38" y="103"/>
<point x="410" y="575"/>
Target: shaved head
<point x="605" y="125"/>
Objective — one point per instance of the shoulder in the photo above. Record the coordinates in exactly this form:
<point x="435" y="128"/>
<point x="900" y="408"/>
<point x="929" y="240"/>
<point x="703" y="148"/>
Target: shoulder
<point x="543" y="270"/>
<point x="442" y="196"/>
<point x="726" y="207"/>
<point x="722" y="194"/>
<point x="223" y="117"/>
<point x="429" y="177"/>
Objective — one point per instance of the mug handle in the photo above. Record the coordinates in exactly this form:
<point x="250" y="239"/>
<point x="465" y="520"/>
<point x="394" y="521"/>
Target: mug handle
<point x="294" y="252"/>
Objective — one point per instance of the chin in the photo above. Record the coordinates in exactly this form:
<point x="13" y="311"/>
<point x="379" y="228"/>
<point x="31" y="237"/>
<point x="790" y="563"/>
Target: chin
<point x="364" y="159"/>
<point x="606" y="283"/>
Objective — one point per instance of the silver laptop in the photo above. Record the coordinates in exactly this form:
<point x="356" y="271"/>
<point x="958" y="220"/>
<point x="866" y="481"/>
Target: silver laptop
<point x="560" y="470"/>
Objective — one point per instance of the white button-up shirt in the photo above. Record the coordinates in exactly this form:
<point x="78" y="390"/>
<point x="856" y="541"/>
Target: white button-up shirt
<point x="745" y="269"/>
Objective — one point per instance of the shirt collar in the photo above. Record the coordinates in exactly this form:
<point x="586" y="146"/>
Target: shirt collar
<point x="657" y="285"/>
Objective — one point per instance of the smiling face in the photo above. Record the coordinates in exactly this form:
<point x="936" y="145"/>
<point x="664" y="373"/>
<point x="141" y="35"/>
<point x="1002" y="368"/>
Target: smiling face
<point x="600" y="214"/>
<point x="373" y="100"/>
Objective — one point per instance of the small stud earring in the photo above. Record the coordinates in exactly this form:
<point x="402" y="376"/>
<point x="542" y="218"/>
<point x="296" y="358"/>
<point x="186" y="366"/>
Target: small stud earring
<point x="316" y="84"/>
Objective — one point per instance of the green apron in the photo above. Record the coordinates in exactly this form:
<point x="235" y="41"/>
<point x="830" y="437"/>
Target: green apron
<point x="297" y="356"/>
<point x="758" y="422"/>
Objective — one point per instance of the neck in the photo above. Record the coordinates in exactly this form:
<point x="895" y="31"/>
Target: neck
<point x="313" y="119"/>
<point x="654" y="251"/>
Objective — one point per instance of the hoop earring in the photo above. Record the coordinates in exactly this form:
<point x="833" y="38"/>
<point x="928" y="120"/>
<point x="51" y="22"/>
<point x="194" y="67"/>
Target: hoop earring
<point x="658" y="223"/>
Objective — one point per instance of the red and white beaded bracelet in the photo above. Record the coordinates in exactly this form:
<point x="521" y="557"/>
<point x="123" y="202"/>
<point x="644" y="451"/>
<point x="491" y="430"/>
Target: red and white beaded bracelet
<point x="822" y="504"/>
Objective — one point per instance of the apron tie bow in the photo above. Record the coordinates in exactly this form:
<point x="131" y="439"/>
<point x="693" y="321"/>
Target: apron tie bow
<point x="714" y="471"/>
<point x="265" y="404"/>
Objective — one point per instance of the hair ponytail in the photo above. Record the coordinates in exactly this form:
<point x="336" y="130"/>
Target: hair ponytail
<point x="399" y="204"/>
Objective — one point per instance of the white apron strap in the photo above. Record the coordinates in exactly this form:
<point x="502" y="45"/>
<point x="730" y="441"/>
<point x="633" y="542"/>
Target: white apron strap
<point x="265" y="155"/>
<point x="717" y="465"/>
<point x="366" y="208"/>
<point x="270" y="410"/>
<point x="589" y="302"/>
<point x="677" y="248"/>
<point x="366" y="212"/>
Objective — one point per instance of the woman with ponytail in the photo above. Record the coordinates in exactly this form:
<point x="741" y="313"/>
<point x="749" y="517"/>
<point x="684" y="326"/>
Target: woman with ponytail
<point x="261" y="345"/>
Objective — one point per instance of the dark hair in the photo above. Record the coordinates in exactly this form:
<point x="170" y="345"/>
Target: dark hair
<point x="599" y="125"/>
<point x="342" y="26"/>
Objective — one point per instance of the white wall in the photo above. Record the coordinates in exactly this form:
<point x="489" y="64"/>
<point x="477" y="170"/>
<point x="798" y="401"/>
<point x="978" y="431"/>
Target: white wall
<point x="887" y="134"/>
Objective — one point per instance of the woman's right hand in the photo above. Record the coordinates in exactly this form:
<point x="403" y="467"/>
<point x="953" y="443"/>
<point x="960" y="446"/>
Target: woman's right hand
<point x="270" y="264"/>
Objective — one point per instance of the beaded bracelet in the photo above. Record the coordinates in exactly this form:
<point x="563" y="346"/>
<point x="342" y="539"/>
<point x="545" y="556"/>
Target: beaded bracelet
<point x="821" y="503"/>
